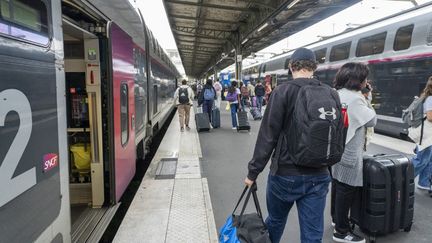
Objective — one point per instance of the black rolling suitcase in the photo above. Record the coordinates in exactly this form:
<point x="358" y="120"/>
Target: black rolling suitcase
<point x="386" y="202"/>
<point x="202" y="121"/>
<point x="215" y="118"/>
<point x="242" y="120"/>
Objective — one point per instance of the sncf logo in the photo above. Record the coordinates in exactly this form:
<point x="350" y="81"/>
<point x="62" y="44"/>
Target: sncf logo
<point x="325" y="113"/>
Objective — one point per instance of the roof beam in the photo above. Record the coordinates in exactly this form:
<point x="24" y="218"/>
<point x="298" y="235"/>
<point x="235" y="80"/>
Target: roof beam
<point x="200" y="42"/>
<point x="209" y="5"/>
<point x="203" y="19"/>
<point x="198" y="48"/>
<point x="201" y="36"/>
<point x="202" y="31"/>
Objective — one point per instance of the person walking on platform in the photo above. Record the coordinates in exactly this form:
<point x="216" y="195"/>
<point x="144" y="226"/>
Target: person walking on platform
<point x="297" y="175"/>
<point x="251" y="90"/>
<point x="348" y="173"/>
<point x="183" y="97"/>
<point x="244" y="95"/>
<point x="207" y="97"/>
<point x="233" y="99"/>
<point x="422" y="161"/>
<point x="218" y="88"/>
<point x="259" y="92"/>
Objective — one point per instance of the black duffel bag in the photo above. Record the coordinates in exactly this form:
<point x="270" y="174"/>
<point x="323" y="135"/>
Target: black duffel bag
<point x="246" y="228"/>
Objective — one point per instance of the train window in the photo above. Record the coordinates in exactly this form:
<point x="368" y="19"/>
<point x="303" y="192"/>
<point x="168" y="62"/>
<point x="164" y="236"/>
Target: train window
<point x="321" y="55"/>
<point x="124" y="113"/>
<point x="371" y="45"/>
<point x="340" y="52"/>
<point x="403" y="38"/>
<point x="264" y="68"/>
<point x="24" y="19"/>
<point x="286" y="66"/>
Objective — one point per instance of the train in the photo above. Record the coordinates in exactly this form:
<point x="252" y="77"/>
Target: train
<point x="397" y="49"/>
<point x="84" y="87"/>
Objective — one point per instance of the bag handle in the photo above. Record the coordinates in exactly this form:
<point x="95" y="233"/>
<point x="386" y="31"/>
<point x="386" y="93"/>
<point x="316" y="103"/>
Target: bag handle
<point x="252" y="191"/>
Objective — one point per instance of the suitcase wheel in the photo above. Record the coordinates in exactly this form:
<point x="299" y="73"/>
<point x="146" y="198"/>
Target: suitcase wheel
<point x="408" y="228"/>
<point x="372" y="239"/>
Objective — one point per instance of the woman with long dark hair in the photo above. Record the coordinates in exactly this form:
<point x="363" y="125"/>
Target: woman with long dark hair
<point x="422" y="161"/>
<point x="348" y="173"/>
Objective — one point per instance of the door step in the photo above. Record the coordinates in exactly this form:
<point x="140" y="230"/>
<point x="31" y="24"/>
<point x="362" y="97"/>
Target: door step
<point x="92" y="223"/>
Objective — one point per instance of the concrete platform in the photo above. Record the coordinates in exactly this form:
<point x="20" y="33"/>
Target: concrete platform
<point x="211" y="167"/>
<point x="177" y="209"/>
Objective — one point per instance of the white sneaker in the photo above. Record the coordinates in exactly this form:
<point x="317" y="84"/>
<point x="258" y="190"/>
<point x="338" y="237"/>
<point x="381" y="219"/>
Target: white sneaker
<point x="348" y="237"/>
<point x="234" y="128"/>
<point x="423" y="187"/>
<point x="333" y="224"/>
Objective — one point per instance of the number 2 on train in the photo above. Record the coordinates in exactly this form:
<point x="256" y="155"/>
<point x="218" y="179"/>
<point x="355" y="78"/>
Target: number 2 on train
<point x="10" y="188"/>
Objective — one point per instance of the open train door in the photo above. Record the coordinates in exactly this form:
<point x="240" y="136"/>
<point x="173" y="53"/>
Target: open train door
<point x="123" y="110"/>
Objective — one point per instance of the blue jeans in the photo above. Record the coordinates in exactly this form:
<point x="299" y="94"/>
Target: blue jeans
<point x="422" y="162"/>
<point x="207" y="107"/>
<point x="234" y="108"/>
<point x="259" y="100"/>
<point x="309" y="192"/>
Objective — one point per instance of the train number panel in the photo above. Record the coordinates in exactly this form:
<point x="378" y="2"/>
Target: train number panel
<point x="29" y="150"/>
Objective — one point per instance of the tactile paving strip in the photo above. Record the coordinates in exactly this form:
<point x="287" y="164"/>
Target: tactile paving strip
<point x="188" y="219"/>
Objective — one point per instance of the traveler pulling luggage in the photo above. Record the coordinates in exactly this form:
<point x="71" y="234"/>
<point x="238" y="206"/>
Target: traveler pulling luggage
<point x="386" y="202"/>
<point x="202" y="121"/>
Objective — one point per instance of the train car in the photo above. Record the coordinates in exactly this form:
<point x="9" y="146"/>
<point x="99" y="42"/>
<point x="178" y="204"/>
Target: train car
<point x="397" y="49"/>
<point x="84" y="86"/>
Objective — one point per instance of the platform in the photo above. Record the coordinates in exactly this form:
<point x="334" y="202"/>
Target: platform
<point x="172" y="205"/>
<point x="180" y="209"/>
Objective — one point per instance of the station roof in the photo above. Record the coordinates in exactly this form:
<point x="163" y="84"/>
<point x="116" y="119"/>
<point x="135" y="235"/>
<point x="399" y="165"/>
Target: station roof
<point x="204" y="29"/>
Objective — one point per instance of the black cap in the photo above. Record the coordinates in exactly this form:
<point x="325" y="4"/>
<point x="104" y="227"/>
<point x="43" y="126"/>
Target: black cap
<point x="303" y="54"/>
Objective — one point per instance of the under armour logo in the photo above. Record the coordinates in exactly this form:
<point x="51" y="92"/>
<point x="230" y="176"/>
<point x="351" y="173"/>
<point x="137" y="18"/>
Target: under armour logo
<point x="325" y="113"/>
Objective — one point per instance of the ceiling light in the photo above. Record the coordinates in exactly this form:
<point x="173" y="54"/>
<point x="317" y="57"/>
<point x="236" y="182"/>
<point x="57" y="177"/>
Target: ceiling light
<point x="262" y="27"/>
<point x="292" y="4"/>
<point x="233" y="50"/>
<point x="245" y="40"/>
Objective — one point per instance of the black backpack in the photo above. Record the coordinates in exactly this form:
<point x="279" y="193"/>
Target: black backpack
<point x="183" y="96"/>
<point x="259" y="90"/>
<point x="316" y="137"/>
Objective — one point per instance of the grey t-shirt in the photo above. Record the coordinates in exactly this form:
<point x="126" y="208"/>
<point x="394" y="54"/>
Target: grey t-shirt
<point x="427" y="105"/>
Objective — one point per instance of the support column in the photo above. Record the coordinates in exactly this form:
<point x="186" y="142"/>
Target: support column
<point x="238" y="58"/>
<point x="215" y="74"/>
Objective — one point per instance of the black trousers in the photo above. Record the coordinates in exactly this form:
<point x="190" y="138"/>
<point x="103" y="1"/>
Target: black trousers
<point x="342" y="199"/>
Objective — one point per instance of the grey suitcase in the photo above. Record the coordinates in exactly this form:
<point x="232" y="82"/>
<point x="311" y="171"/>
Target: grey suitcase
<point x="215" y="118"/>
<point x="202" y="121"/>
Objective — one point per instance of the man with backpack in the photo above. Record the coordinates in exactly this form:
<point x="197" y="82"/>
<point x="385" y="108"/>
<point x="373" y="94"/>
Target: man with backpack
<point x="259" y="93"/>
<point x="184" y="100"/>
<point x="302" y="131"/>
<point x="207" y="98"/>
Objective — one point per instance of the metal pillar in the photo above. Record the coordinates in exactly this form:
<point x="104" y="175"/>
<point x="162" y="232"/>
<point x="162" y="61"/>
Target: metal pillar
<point x="238" y="59"/>
<point x="215" y="74"/>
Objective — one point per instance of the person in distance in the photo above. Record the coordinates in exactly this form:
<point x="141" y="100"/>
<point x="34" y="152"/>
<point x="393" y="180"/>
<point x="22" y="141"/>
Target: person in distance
<point x="184" y="96"/>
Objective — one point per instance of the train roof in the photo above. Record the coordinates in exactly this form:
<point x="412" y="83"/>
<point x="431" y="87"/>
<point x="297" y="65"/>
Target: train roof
<point x="130" y="19"/>
<point x="403" y="15"/>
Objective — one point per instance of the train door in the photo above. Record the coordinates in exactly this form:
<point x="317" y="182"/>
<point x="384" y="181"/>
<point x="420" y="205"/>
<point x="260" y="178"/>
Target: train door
<point x="123" y="110"/>
<point x="84" y="128"/>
